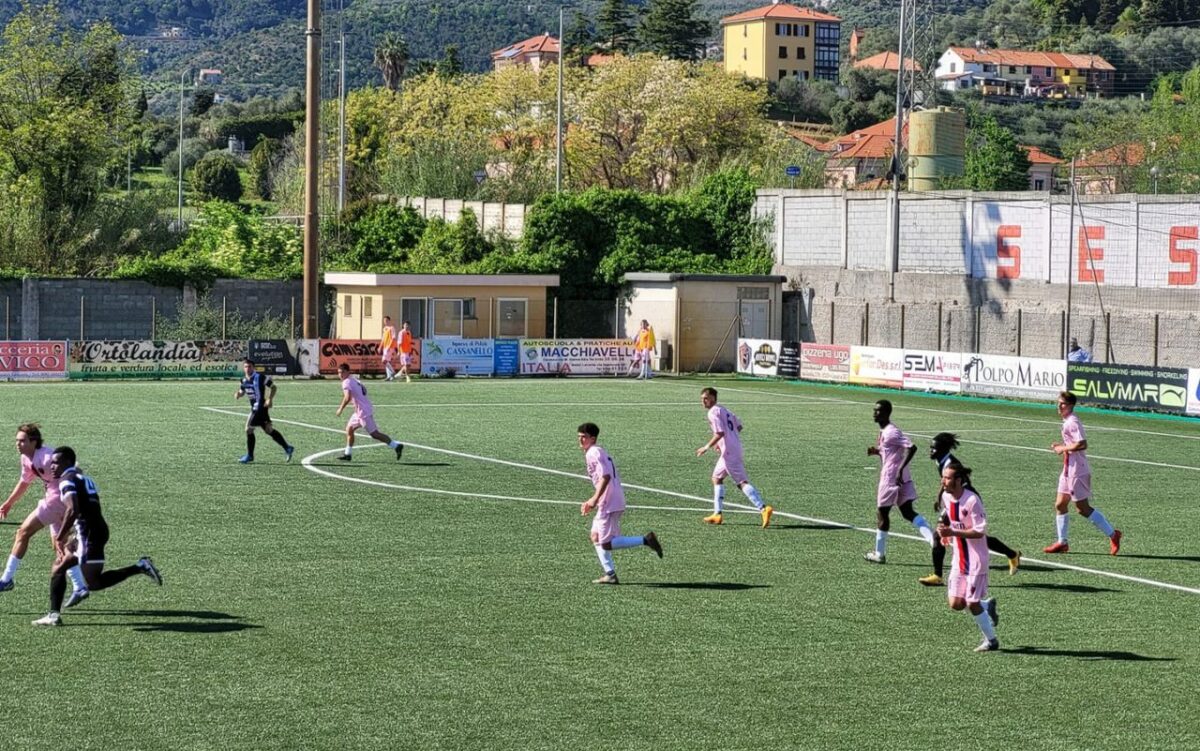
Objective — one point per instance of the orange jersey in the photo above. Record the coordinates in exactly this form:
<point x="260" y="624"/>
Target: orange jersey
<point x="645" y="340"/>
<point x="389" y="337"/>
<point x="405" y="341"/>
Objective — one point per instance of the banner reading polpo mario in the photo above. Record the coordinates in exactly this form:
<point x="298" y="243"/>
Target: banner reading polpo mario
<point x="576" y="356"/>
<point x="362" y="355"/>
<point x="142" y="358"/>
<point x="28" y="361"/>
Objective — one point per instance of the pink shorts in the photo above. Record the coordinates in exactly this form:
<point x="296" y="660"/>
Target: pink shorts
<point x="406" y="359"/>
<point x="965" y="587"/>
<point x="1079" y="488"/>
<point x="366" y="422"/>
<point x="389" y="354"/>
<point x="731" y="468"/>
<point x="606" y="526"/>
<point x="895" y="495"/>
<point x="51" y="512"/>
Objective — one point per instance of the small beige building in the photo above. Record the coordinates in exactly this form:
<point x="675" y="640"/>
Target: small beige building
<point x="455" y="305"/>
<point x="697" y="318"/>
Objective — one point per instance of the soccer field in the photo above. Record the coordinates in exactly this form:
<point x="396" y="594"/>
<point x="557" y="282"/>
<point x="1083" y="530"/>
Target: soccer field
<point x="445" y="602"/>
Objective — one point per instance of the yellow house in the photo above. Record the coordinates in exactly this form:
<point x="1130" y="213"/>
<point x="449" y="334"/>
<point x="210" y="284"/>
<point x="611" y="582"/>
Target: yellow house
<point x="781" y="40"/>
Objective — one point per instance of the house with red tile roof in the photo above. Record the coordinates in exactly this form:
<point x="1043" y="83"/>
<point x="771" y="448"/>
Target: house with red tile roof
<point x="536" y="52"/>
<point x="779" y="41"/>
<point x="889" y="61"/>
<point x="1026" y="73"/>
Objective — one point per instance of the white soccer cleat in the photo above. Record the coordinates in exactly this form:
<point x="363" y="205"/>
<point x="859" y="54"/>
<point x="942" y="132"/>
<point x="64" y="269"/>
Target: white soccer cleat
<point x="874" y="557"/>
<point x="50" y="619"/>
<point x="988" y="645"/>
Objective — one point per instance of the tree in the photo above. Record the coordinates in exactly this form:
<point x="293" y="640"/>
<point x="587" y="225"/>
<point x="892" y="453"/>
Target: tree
<point x="202" y="101"/>
<point x="614" y="24"/>
<point x="451" y="63"/>
<point x="392" y="57"/>
<point x="993" y="160"/>
<point x="216" y="177"/>
<point x="264" y="158"/>
<point x="578" y="39"/>
<point x="670" y="28"/>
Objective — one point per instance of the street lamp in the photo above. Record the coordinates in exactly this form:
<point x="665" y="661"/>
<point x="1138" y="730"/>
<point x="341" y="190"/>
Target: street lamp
<point x="1154" y="172"/>
<point x="179" y="218"/>
<point x="558" y="121"/>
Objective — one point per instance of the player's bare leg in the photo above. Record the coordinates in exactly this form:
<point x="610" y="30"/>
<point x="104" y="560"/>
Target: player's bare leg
<point x="30" y="527"/>
<point x="394" y="445"/>
<point x="345" y="457"/>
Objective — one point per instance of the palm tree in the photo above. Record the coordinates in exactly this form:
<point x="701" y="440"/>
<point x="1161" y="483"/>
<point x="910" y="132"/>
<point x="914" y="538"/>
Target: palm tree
<point x="391" y="57"/>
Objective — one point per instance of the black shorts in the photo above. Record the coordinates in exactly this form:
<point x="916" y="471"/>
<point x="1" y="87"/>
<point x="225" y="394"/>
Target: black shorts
<point x="258" y="418"/>
<point x="92" y="539"/>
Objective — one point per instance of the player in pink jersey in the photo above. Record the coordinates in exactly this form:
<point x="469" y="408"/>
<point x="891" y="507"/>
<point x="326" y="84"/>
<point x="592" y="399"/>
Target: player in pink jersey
<point x="1075" y="481"/>
<point x="964" y="526"/>
<point x="608" y="500"/>
<point x="364" y="414"/>
<point x="896" y="487"/>
<point x="50" y="511"/>
<point x="726" y="436"/>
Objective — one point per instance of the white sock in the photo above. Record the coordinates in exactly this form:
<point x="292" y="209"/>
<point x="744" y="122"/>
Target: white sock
<point x="881" y="541"/>
<point x="752" y="493"/>
<point x="75" y="574"/>
<point x="923" y="527"/>
<point x="984" y="621"/>
<point x="1101" y="522"/>
<point x="1060" y="523"/>
<point x="393" y="444"/>
<point x="718" y="498"/>
<point x="388" y="368"/>
<point x="10" y="569"/>
<point x="606" y="560"/>
<point x="626" y="542"/>
<point x="346" y="451"/>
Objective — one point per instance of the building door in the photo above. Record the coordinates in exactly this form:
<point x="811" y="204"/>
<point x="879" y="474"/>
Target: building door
<point x="754" y="321"/>
<point x="412" y="309"/>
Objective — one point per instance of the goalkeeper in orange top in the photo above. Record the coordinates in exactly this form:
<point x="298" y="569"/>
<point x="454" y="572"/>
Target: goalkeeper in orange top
<point x="644" y="347"/>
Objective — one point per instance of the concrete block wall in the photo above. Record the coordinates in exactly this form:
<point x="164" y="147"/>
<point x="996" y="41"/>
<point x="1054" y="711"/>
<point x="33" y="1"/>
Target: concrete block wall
<point x="507" y="218"/>
<point x="10" y="304"/>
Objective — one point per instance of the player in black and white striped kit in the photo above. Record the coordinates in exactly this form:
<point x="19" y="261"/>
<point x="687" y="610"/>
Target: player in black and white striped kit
<point x="82" y="497"/>
<point x="259" y="390"/>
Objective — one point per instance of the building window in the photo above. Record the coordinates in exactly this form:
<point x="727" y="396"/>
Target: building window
<point x="745" y="30"/>
<point x="347" y="306"/>
<point x="744" y="52"/>
<point x="512" y="317"/>
<point x="828" y="33"/>
<point x="783" y="53"/>
<point x="368" y="307"/>
<point x="1039" y="184"/>
<point x="806" y="75"/>
<point x="1049" y="72"/>
<point x="782" y="74"/>
<point x="800" y="53"/>
<point x="953" y="67"/>
<point x="1012" y="69"/>
<point x="412" y="311"/>
<point x="447" y="317"/>
<point x="803" y="29"/>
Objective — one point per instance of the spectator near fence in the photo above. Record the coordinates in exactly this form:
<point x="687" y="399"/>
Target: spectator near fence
<point x="1075" y="353"/>
<point x="644" y="348"/>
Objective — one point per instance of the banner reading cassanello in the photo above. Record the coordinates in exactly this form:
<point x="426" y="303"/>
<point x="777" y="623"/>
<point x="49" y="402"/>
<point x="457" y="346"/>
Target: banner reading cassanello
<point x="461" y="357"/>
<point x="1138" y="386"/>
<point x="27" y="361"/>
<point x="576" y="356"/>
<point x="142" y="358"/>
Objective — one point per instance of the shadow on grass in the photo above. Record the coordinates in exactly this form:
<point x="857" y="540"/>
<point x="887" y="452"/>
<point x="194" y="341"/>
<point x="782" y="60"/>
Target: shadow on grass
<point x="424" y="464"/>
<point x="1076" y="588"/>
<point x="1186" y="558"/>
<point x="712" y="586"/>
<point x="814" y="527"/>
<point x="176" y="621"/>
<point x="1086" y="654"/>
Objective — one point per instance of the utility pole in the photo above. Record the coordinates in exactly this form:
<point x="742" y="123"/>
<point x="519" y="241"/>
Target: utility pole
<point x="558" y="137"/>
<point x="902" y="94"/>
<point x="179" y="217"/>
<point x="341" y="202"/>
<point x="312" y="147"/>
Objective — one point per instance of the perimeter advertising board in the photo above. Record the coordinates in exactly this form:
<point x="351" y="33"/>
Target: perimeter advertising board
<point x="925" y="370"/>
<point x="1019" y="377"/>
<point x="275" y="356"/>
<point x="1136" y="386"/>
<point x="448" y="356"/>
<point x="362" y="355"/>
<point x="758" y="357"/>
<point x="30" y="361"/>
<point x="506" y="357"/>
<point x="1193" y="400"/>
<point x="789" y="360"/>
<point x="575" y="356"/>
<point x="825" y="362"/>
<point x="877" y="366"/>
<point x="137" y="358"/>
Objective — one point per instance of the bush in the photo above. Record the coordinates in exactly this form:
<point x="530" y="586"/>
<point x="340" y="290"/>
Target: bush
<point x="194" y="150"/>
<point x="205" y="323"/>
<point x="264" y="158"/>
<point x="216" y="177"/>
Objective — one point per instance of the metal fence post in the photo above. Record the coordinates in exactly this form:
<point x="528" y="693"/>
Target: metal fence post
<point x="1020" y="323"/>
<point x="866" y="325"/>
<point x="555" y="329"/>
<point x="940" y="326"/>
<point x="223" y="317"/>
<point x="292" y="324"/>
<point x="902" y="317"/>
<point x="1156" y="340"/>
<point x="832" y="322"/>
<point x="153" y="316"/>
<point x="7" y="303"/>
<point x="81" y="318"/>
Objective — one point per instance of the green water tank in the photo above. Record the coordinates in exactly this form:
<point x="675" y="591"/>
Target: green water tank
<point x="936" y="144"/>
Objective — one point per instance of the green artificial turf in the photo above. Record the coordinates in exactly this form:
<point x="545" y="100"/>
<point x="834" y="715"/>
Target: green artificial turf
<point x="303" y="611"/>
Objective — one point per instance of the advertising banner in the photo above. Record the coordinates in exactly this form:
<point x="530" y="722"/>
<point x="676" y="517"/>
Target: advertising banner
<point x="759" y="357"/>
<point x="825" y="362"/>
<point x="1020" y="377"/>
<point x="506" y="357"/>
<point x="308" y="353"/>
<point x="362" y="355"/>
<point x="1193" y="400"/>
<point x="877" y="366"/>
<point x="448" y="356"/>
<point x="926" y="370"/>
<point x="1137" y="386"/>
<point x="789" y="360"/>
<point x="575" y="356"/>
<point x="29" y="361"/>
<point x="275" y="356"/>
<point x="139" y="358"/>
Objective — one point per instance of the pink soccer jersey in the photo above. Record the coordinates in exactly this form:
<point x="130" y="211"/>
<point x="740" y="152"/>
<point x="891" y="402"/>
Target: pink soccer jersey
<point x="893" y="448"/>
<point x="600" y="464"/>
<point x="1075" y="463"/>
<point x="970" y="554"/>
<point x="358" y="395"/>
<point x="722" y="420"/>
<point x="38" y="466"/>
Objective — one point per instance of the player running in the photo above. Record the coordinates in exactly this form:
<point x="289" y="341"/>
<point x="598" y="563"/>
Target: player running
<point x="896" y="486"/>
<point x="259" y="390"/>
<point x="964" y="527"/>
<point x="608" y="500"/>
<point x="364" y="414"/>
<point x="50" y="511"/>
<point x="387" y="346"/>
<point x="406" y="347"/>
<point x="939" y="452"/>
<point x="1075" y="481"/>
<point x="726" y="436"/>
<point x="82" y="498"/>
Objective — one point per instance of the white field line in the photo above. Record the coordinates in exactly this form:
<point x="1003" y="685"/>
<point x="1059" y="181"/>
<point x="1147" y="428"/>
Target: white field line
<point x="1050" y="451"/>
<point x="476" y="405"/>
<point x="686" y="496"/>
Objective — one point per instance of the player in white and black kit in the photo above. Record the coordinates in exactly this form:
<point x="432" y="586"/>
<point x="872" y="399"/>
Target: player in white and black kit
<point x="259" y="389"/>
<point x="79" y="493"/>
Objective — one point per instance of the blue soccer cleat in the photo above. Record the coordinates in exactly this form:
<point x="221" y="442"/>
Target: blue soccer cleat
<point x="246" y="459"/>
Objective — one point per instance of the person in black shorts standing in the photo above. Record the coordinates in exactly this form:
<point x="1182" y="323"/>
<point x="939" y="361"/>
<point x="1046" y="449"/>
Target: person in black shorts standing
<point x="79" y="493"/>
<point x="260" y="390"/>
